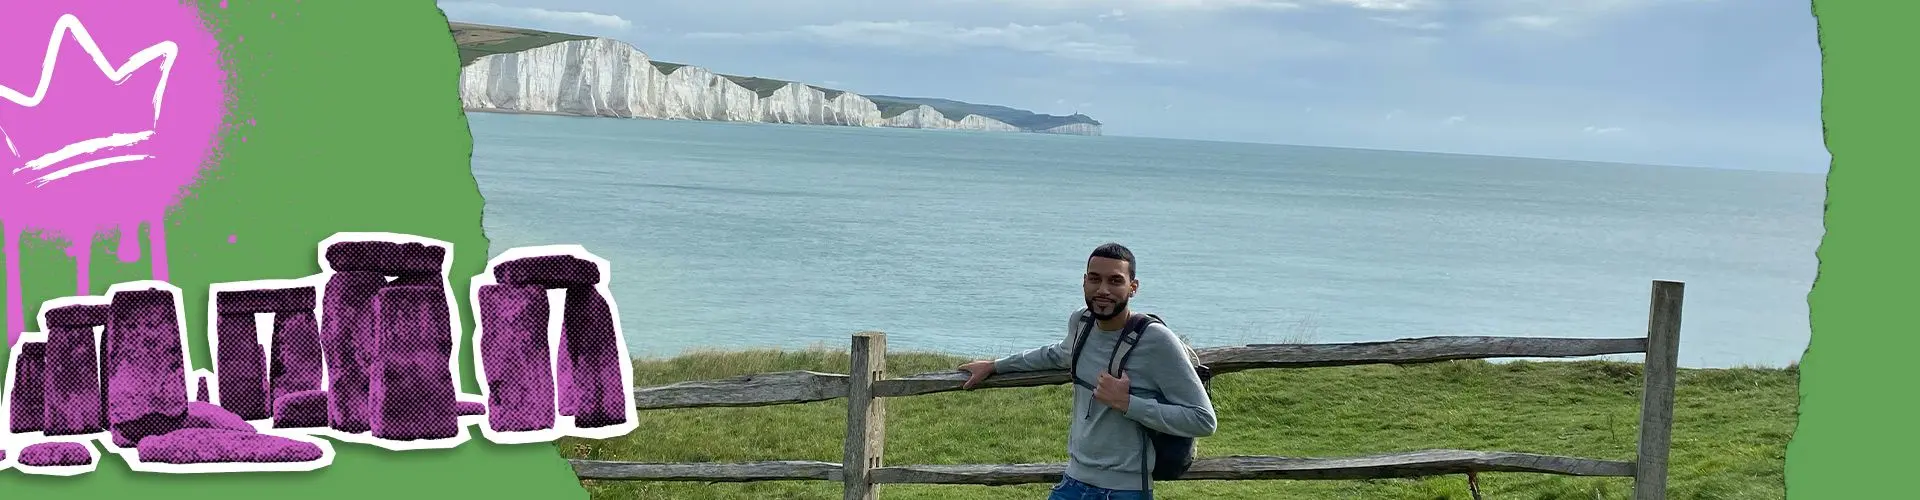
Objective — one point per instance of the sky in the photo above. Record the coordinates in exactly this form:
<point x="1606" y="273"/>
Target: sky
<point x="1707" y="83"/>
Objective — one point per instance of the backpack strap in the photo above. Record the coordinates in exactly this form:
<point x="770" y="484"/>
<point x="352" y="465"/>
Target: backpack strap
<point x="1129" y="338"/>
<point x="1079" y="344"/>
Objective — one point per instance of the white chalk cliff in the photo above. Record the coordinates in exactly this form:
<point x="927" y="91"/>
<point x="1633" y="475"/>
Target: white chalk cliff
<point x="605" y="77"/>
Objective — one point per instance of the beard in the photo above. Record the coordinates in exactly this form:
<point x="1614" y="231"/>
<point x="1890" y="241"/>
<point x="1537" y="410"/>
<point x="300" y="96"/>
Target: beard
<point x="1118" y="305"/>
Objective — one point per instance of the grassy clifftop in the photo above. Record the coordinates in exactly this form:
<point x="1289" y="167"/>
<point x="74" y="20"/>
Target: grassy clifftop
<point x="476" y="41"/>
<point x="1729" y="440"/>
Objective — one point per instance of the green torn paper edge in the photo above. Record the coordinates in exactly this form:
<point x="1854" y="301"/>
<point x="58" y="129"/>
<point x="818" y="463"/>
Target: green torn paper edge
<point x="1856" y="421"/>
<point x="329" y="83"/>
<point x="1850" y="433"/>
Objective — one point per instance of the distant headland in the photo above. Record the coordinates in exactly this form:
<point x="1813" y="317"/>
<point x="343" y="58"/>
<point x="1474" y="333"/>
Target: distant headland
<point x="506" y="69"/>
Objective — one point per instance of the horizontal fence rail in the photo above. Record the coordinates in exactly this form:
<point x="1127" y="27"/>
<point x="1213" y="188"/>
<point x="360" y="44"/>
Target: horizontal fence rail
<point x="769" y="389"/>
<point x="867" y="388"/>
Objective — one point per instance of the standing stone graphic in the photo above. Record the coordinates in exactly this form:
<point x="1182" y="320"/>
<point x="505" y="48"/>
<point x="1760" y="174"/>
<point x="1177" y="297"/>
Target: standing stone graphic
<point x="513" y="350"/>
<point x="197" y="446"/>
<point x="346" y="333"/>
<point x="302" y="409"/>
<point x="411" y="388"/>
<point x="207" y="416"/>
<point x="297" y="360"/>
<point x="147" y="393"/>
<point x="73" y="399"/>
<point x="70" y="396"/>
<point x="593" y="346"/>
<point x="57" y="454"/>
<point x="386" y="258"/>
<point x="555" y="271"/>
<point x="27" y="410"/>
<point x="242" y="369"/>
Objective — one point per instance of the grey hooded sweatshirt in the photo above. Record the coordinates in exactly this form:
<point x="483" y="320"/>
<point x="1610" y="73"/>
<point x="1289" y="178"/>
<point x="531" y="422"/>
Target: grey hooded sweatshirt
<point x="1104" y="445"/>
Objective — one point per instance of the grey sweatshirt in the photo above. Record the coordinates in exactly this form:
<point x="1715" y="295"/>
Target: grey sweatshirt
<point x="1103" y="444"/>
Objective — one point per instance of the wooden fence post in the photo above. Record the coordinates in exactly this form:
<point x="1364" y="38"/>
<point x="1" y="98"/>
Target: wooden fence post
<point x="1656" y="401"/>
<point x="866" y="416"/>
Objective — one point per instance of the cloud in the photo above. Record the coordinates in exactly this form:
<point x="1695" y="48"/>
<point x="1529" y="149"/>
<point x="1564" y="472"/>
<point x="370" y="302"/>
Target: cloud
<point x="1603" y="130"/>
<point x="1065" y="41"/>
<point x="557" y="20"/>
<point x="1453" y="120"/>
<point x="1203" y="5"/>
<point x="1411" y="23"/>
<point x="1532" y="22"/>
<point x="1384" y="5"/>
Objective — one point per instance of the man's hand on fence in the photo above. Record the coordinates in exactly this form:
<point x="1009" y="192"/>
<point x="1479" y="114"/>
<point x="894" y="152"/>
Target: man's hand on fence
<point x="1114" y="391"/>
<point x="976" y="372"/>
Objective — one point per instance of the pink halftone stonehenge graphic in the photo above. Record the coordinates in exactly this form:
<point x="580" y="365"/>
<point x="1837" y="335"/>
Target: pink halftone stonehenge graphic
<point x="364" y="352"/>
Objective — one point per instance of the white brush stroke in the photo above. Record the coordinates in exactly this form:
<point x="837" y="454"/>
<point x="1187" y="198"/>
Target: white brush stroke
<point x="453" y="360"/>
<point x="132" y="456"/>
<point x="563" y="425"/>
<point x="68" y="24"/>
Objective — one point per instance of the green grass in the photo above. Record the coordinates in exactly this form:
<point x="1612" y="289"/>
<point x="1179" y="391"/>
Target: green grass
<point x="1730" y="435"/>
<point x="523" y="40"/>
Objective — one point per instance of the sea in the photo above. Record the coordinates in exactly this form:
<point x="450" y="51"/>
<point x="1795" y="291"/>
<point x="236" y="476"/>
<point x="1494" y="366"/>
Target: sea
<point x="739" y="235"/>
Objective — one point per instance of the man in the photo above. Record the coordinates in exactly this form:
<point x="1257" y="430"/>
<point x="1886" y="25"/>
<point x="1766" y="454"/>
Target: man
<point x="1105" y="441"/>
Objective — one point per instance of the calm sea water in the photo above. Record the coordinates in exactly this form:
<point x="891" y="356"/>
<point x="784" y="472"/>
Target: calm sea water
<point x="729" y="235"/>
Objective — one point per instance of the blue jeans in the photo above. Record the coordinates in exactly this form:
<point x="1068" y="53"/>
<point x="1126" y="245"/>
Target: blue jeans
<point x="1072" y="489"/>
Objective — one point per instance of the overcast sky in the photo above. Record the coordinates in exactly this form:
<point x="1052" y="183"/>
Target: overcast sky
<point x="1716" y="83"/>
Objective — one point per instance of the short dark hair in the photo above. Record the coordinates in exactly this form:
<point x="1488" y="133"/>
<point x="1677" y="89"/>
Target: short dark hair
<point x="1118" y="252"/>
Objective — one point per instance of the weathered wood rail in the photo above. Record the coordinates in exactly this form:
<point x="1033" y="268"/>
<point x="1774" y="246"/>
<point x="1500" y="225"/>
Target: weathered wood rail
<point x="867" y="387"/>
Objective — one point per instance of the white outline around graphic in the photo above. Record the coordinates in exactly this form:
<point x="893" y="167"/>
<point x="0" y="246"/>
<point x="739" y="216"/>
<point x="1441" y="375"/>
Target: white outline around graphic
<point x="453" y="359"/>
<point x="563" y="425"/>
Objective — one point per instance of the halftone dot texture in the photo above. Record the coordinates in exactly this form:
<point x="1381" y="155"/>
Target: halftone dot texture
<point x="79" y="315"/>
<point x="243" y="366"/>
<point x="590" y="341"/>
<point x="548" y="271"/>
<point x="314" y="126"/>
<point x="27" y="412"/>
<point x="208" y="416"/>
<point x="147" y="393"/>
<point x="57" y="454"/>
<point x="516" y="358"/>
<point x="385" y="257"/>
<point x="297" y="361"/>
<point x="586" y="363"/>
<point x="388" y="344"/>
<point x="74" y="392"/>
<point x="469" y="408"/>
<point x="202" y="392"/>
<point x="193" y="446"/>
<point x="71" y="391"/>
<point x="346" y="337"/>
<point x="411" y="389"/>
<point x="300" y="410"/>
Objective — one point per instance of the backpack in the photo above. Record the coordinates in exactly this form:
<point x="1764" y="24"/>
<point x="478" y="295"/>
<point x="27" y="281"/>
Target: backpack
<point x="1172" y="454"/>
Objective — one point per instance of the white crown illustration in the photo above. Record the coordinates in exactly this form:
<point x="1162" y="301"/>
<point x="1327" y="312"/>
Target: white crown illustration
<point x="48" y="160"/>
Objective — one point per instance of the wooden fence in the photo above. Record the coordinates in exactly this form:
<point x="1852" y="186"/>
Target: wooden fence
<point x="867" y="387"/>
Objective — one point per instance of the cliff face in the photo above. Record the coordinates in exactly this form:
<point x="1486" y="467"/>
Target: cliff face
<point x="604" y="77"/>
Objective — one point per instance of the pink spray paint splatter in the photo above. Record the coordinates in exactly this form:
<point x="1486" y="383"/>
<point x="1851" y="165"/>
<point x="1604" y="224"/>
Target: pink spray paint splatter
<point x="92" y="150"/>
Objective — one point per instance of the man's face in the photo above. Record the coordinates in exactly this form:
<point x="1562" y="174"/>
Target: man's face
<point x="1107" y="286"/>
